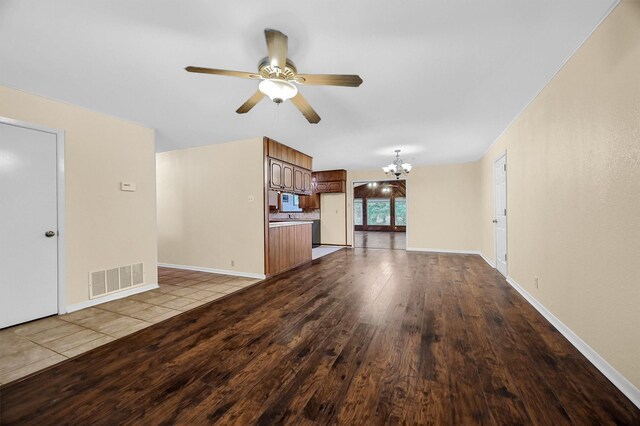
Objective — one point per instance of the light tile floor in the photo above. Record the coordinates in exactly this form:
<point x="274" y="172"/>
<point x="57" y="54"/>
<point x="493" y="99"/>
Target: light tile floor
<point x="318" y="252"/>
<point x="30" y="347"/>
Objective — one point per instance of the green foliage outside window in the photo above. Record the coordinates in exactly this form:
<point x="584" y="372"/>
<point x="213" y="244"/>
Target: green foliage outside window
<point x="378" y="212"/>
<point x="357" y="211"/>
<point x="401" y="212"/>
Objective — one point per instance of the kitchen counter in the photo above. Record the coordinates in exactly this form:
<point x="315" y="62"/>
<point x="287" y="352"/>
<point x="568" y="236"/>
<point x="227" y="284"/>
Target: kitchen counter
<point x="289" y="245"/>
<point x="278" y="224"/>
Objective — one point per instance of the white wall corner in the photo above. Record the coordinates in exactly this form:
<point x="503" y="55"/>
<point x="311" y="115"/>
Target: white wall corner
<point x="619" y="381"/>
<point x="110" y="297"/>
<point x="213" y="271"/>
<point x="486" y="259"/>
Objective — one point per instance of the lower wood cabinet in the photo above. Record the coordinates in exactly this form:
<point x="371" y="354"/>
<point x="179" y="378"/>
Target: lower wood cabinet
<point x="289" y="246"/>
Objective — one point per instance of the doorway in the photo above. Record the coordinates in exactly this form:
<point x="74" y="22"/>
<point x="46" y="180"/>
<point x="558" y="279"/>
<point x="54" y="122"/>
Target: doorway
<point x="380" y="215"/>
<point x="32" y="194"/>
<point x="500" y="212"/>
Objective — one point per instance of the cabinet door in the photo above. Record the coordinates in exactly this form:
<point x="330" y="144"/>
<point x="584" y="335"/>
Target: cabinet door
<point x="306" y="179"/>
<point x="324" y="187"/>
<point x="287" y="177"/>
<point x="298" y="180"/>
<point x="275" y="174"/>
<point x="310" y="202"/>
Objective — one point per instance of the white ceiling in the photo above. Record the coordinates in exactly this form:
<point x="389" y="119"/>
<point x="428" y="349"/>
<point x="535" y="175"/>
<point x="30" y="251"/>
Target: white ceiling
<point x="442" y="79"/>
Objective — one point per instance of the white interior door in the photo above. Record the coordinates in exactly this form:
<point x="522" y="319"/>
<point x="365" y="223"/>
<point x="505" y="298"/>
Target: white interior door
<point x="28" y="218"/>
<point x="500" y="213"/>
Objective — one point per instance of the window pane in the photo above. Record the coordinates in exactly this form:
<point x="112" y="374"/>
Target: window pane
<point x="378" y="211"/>
<point x="401" y="212"/>
<point x="357" y="211"/>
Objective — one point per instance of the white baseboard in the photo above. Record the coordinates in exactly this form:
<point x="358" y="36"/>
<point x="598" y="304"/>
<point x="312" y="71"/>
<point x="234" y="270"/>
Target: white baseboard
<point x="110" y="297"/>
<point x="486" y="259"/>
<point x="619" y="381"/>
<point x="213" y="271"/>
<point x="434" y="250"/>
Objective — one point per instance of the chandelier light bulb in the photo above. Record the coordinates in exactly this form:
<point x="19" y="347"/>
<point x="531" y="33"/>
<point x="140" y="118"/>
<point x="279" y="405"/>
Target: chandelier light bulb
<point x="398" y="167"/>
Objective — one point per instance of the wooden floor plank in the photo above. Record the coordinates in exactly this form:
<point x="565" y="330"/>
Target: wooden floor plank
<point x="357" y="337"/>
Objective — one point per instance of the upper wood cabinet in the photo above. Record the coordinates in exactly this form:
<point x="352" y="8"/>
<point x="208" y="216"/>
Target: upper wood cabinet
<point x="289" y="178"/>
<point x="335" y="186"/>
<point x="275" y="174"/>
<point x="310" y="202"/>
<point x="330" y="181"/>
<point x="298" y="180"/>
<point x="306" y="181"/>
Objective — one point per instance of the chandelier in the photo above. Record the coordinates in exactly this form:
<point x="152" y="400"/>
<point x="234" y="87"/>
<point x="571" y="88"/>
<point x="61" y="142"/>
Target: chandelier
<point x="397" y="168"/>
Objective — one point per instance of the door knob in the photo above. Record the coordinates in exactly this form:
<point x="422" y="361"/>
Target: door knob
<point x="494" y="221"/>
<point x="49" y="234"/>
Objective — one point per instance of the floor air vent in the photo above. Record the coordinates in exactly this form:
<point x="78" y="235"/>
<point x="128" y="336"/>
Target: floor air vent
<point x="115" y="279"/>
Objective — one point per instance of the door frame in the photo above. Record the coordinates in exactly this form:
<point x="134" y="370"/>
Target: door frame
<point x="506" y="221"/>
<point x="60" y="199"/>
<point x="351" y="198"/>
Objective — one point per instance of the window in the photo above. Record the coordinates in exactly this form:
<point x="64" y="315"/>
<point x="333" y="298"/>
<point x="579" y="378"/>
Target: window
<point x="357" y="211"/>
<point x="378" y="212"/>
<point x="401" y="211"/>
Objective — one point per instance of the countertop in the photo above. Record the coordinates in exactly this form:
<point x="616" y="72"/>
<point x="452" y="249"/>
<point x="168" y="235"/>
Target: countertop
<point x="289" y="223"/>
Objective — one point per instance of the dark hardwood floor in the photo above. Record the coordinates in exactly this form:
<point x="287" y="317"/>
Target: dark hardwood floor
<point x="356" y="337"/>
<point x="380" y="240"/>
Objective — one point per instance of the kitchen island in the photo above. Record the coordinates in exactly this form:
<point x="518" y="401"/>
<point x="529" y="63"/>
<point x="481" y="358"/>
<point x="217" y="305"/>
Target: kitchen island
<point x="289" y="245"/>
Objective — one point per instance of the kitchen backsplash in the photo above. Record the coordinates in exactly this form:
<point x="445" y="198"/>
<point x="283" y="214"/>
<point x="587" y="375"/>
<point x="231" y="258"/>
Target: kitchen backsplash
<point x="311" y="215"/>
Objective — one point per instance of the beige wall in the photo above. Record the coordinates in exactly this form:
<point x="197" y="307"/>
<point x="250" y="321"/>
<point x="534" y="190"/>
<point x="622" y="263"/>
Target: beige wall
<point x="573" y="190"/>
<point x="332" y="219"/>
<point x="105" y="227"/>
<point x="204" y="216"/>
<point x="443" y="204"/>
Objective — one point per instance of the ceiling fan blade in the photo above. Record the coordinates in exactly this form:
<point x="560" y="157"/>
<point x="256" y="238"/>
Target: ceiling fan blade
<point x="329" y="79"/>
<point x="301" y="103"/>
<point x="229" y="73"/>
<point x="277" y="47"/>
<point x="251" y="102"/>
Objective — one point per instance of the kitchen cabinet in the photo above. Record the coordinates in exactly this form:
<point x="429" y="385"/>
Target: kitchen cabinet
<point x="306" y="181"/>
<point x="335" y="186"/>
<point x="330" y="181"/>
<point x="310" y="202"/>
<point x="301" y="181"/>
<point x="280" y="175"/>
<point x="289" y="246"/>
<point x="275" y="174"/>
<point x="298" y="180"/>
<point x="286" y="177"/>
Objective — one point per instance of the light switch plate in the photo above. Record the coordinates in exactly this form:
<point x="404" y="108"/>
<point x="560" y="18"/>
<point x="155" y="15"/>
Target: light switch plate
<point x="127" y="186"/>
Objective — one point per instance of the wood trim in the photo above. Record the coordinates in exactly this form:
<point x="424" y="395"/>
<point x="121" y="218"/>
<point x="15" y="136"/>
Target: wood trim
<point x="287" y="154"/>
<point x="265" y="203"/>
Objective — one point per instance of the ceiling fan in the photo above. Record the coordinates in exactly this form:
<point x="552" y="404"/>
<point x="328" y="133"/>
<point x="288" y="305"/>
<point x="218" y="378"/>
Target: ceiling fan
<point x="280" y="78"/>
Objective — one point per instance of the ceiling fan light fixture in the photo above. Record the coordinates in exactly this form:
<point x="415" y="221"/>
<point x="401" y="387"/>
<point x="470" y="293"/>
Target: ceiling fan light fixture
<point x="278" y="90"/>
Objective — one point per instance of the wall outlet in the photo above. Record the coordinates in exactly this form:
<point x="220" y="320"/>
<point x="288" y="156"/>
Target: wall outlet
<point x="251" y="198"/>
<point x="535" y="281"/>
<point x="233" y="263"/>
